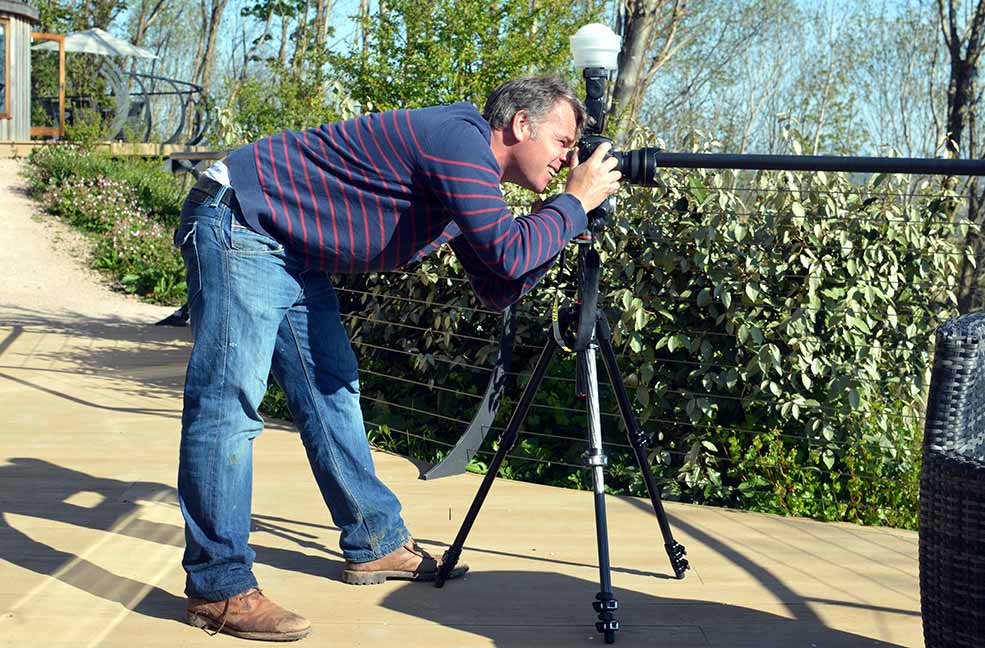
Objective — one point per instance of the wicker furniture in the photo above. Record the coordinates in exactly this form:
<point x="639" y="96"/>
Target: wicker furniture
<point x="952" y="490"/>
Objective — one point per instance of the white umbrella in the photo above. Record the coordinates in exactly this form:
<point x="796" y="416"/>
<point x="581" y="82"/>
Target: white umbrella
<point x="96" y="41"/>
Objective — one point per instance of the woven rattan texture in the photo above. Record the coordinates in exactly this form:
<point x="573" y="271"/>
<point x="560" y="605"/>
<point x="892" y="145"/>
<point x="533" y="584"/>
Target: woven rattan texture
<point x="952" y="490"/>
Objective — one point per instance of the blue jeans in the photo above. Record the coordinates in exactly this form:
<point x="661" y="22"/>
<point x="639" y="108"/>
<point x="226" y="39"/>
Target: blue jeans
<point x="255" y="309"/>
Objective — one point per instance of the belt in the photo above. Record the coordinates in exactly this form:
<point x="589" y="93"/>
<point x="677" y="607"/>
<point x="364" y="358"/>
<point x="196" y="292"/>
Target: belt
<point x="206" y="189"/>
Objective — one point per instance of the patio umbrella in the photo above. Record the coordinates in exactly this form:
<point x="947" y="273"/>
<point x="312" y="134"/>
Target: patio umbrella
<point x="96" y="41"/>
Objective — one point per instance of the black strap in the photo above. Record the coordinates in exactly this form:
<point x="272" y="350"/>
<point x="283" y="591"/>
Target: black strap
<point x="468" y="444"/>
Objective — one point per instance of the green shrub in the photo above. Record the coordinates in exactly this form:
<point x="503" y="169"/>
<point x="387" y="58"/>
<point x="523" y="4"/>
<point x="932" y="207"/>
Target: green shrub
<point x="157" y="192"/>
<point x="128" y="206"/>
<point x="91" y="204"/>
<point x="775" y="331"/>
<point x="141" y="253"/>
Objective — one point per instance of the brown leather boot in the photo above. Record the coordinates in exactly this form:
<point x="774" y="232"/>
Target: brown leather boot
<point x="248" y="615"/>
<point x="409" y="562"/>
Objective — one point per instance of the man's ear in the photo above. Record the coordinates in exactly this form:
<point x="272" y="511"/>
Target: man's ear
<point x="520" y="127"/>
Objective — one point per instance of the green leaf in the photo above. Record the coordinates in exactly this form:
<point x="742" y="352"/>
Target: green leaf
<point x="853" y="398"/>
<point x="774" y="355"/>
<point x="704" y="297"/>
<point x="828" y="457"/>
<point x="698" y="189"/>
<point x="756" y="334"/>
<point x="817" y="366"/>
<point x="752" y="291"/>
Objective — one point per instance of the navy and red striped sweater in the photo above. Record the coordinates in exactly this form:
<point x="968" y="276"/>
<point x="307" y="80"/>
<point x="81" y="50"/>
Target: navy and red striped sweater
<point x="382" y="190"/>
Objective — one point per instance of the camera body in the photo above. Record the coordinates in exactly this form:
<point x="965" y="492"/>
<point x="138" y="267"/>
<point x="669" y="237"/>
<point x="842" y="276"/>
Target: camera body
<point x="638" y="166"/>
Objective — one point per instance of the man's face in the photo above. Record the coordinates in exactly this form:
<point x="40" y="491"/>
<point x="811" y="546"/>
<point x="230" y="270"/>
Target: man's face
<point x="540" y="153"/>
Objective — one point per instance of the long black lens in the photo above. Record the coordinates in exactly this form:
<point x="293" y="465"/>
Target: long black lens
<point x="639" y="166"/>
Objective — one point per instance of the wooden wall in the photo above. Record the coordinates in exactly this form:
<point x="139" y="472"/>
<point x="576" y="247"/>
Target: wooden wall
<point x="18" y="73"/>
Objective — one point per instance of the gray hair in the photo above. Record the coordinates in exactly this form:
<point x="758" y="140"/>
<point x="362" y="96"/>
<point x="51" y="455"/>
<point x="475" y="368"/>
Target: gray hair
<point x="536" y="95"/>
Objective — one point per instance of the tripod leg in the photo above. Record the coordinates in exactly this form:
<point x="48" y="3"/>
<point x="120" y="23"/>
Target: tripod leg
<point x="638" y="439"/>
<point x="605" y="603"/>
<point x="506" y="443"/>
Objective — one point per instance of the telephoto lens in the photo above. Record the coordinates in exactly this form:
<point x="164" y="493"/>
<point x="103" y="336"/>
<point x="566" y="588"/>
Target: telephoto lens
<point x="639" y="166"/>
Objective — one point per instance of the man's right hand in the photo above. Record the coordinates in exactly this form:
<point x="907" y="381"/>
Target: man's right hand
<point x="595" y="179"/>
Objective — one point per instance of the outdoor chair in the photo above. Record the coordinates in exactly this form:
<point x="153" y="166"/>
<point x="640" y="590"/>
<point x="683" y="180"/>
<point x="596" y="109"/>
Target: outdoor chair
<point x="952" y="489"/>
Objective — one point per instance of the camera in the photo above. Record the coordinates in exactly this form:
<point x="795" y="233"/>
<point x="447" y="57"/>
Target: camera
<point x="638" y="166"/>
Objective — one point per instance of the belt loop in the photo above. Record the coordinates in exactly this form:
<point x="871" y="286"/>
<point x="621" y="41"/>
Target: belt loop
<point x="217" y="198"/>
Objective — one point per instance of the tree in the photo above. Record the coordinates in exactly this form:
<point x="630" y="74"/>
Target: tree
<point x="422" y="53"/>
<point x="730" y="76"/>
<point x="211" y="16"/>
<point x="964" y="45"/>
<point x="649" y="30"/>
<point x="901" y="73"/>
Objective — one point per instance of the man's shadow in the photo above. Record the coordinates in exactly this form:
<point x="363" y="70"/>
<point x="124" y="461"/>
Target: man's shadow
<point x="40" y="489"/>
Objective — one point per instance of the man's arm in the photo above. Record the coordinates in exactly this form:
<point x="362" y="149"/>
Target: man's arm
<point x="494" y="292"/>
<point x="460" y="169"/>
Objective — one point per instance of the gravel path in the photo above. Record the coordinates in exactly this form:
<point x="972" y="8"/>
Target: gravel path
<point x="44" y="272"/>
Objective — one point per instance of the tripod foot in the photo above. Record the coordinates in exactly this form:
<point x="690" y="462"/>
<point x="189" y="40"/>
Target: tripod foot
<point x="448" y="562"/>
<point x="678" y="559"/>
<point x="606" y="605"/>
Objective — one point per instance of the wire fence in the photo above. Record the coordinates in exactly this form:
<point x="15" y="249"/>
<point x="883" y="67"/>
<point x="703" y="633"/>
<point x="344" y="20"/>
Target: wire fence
<point x="781" y="367"/>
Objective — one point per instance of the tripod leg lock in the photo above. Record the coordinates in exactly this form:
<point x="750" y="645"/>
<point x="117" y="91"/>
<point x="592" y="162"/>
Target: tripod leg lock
<point x="606" y="605"/>
<point x="678" y="560"/>
<point x="595" y="457"/>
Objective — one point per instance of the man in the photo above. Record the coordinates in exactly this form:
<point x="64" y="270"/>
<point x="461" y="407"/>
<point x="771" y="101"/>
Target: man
<point x="259" y="235"/>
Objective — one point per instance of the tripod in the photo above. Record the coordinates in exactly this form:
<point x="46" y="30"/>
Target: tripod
<point x="593" y="334"/>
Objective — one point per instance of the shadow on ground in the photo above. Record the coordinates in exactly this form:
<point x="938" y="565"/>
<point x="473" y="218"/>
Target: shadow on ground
<point x="512" y="607"/>
<point x="506" y="607"/>
<point x="42" y="490"/>
<point x="151" y="358"/>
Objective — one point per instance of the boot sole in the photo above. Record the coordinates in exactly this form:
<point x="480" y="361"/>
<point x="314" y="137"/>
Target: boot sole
<point x="204" y="622"/>
<point x="355" y="577"/>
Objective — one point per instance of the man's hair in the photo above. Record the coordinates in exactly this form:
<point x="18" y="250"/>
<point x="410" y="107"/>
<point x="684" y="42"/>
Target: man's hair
<point x="536" y="95"/>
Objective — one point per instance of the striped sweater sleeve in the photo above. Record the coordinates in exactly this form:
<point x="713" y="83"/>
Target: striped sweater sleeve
<point x="494" y="292"/>
<point x="461" y="170"/>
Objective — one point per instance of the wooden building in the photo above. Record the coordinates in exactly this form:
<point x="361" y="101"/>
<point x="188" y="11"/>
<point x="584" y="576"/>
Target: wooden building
<point x="16" y="21"/>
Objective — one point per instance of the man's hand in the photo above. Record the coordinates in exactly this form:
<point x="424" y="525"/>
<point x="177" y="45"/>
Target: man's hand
<point x="593" y="180"/>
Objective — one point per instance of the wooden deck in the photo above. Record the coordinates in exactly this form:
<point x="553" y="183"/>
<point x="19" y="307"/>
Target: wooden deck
<point x="21" y="149"/>
<point x="91" y="535"/>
